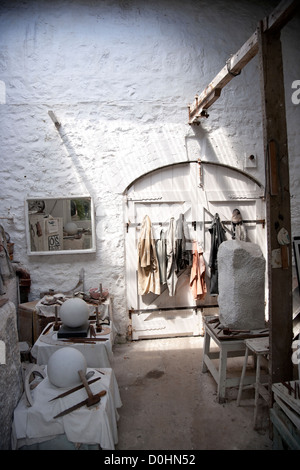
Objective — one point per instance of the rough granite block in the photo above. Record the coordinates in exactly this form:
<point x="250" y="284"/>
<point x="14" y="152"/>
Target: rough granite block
<point x="241" y="268"/>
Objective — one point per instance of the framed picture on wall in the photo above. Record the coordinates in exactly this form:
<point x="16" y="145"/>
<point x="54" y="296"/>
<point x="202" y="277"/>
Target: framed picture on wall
<point x="60" y="225"/>
<point x="296" y="245"/>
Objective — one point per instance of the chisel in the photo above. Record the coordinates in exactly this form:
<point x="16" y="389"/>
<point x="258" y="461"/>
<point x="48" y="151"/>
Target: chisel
<point x="72" y="390"/>
<point x="79" y="405"/>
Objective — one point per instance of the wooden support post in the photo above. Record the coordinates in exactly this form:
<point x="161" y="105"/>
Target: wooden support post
<point x="277" y="201"/>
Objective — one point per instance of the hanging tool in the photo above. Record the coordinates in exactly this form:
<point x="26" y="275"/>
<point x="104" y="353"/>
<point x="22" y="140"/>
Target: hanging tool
<point x="72" y="390"/>
<point x="79" y="405"/>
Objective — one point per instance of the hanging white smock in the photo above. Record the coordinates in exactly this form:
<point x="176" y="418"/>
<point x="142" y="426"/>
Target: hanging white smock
<point x="148" y="271"/>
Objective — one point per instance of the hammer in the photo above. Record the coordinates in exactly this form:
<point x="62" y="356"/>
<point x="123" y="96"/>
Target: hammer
<point x="92" y="399"/>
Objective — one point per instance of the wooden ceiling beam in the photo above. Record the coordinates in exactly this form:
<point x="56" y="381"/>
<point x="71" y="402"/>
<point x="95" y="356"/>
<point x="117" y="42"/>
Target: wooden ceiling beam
<point x="275" y="21"/>
<point x="280" y="16"/>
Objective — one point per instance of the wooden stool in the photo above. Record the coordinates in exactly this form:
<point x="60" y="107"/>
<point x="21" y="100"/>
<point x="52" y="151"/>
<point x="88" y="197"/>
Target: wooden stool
<point x="260" y="348"/>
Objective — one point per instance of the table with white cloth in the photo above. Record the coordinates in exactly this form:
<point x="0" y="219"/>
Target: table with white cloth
<point x="44" y="313"/>
<point x="97" y="353"/>
<point x="95" y="425"/>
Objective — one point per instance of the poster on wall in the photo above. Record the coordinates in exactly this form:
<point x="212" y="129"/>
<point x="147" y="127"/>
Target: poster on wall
<point x="54" y="243"/>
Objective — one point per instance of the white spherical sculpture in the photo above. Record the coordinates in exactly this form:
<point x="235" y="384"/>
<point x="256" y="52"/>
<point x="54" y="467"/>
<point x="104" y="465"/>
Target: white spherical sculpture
<point x="74" y="312"/>
<point x="63" y="366"/>
<point x="71" y="228"/>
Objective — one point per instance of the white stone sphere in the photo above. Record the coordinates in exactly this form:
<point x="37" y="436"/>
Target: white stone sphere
<point x="63" y="366"/>
<point x="74" y="312"/>
<point x="71" y="228"/>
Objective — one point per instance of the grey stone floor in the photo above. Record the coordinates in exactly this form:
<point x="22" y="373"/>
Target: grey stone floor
<point x="170" y="404"/>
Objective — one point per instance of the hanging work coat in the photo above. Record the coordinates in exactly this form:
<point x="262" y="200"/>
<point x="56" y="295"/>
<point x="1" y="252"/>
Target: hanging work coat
<point x="161" y="251"/>
<point x="183" y="250"/>
<point x="197" y="278"/>
<point x="217" y="232"/>
<point x="171" y="258"/>
<point x="148" y="270"/>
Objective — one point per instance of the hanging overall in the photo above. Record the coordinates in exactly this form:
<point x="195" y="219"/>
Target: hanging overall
<point x="217" y="232"/>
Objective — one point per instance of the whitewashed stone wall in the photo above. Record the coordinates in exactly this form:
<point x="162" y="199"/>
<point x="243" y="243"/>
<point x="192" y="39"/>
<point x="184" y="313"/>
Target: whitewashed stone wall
<point x="11" y="382"/>
<point x="119" y="76"/>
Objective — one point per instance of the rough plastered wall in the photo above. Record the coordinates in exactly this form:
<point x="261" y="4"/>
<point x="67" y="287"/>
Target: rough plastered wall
<point x="119" y="76"/>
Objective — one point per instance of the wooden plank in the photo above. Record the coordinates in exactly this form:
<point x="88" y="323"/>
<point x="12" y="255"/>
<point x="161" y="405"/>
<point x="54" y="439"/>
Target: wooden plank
<point x="234" y="66"/>
<point x="282" y="392"/>
<point x="274" y="22"/>
<point x="294" y="417"/>
<point x="280" y="421"/>
<point x="277" y="205"/>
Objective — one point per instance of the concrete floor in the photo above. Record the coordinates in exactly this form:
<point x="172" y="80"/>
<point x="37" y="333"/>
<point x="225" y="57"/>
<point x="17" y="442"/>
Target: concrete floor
<point x="169" y="404"/>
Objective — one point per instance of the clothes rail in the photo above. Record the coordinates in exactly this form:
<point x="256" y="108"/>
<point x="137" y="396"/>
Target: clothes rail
<point x="195" y="222"/>
<point x="168" y="309"/>
<point x="254" y="221"/>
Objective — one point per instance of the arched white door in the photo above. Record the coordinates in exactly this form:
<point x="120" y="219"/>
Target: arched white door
<point x="198" y="191"/>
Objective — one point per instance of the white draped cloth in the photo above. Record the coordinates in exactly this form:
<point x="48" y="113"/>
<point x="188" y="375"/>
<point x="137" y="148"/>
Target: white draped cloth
<point x="86" y="425"/>
<point x="99" y="354"/>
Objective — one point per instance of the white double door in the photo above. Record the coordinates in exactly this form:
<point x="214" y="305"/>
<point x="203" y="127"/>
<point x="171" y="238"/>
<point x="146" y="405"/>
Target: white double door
<point x="197" y="192"/>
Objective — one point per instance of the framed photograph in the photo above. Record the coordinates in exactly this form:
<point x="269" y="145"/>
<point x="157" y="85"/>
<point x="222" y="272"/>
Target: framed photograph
<point x="296" y="245"/>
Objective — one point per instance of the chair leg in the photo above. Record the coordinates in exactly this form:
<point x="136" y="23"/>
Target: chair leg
<point x="242" y="377"/>
<point x="222" y="375"/>
<point x="257" y="381"/>
<point x="205" y="350"/>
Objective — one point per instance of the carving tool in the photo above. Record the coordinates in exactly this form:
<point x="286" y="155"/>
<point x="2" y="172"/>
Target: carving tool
<point x="79" y="405"/>
<point x="98" y="326"/>
<point x="56" y="324"/>
<point x="92" y="399"/>
<point x="92" y="331"/>
<point x="83" y="340"/>
<point x="72" y="390"/>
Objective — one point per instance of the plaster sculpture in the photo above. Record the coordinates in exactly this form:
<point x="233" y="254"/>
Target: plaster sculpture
<point x="33" y="370"/>
<point x="63" y="367"/>
<point x="241" y="301"/>
<point x="71" y="228"/>
<point x="74" y="312"/>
